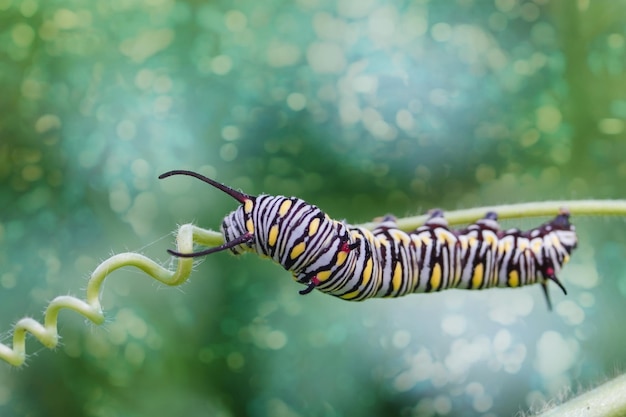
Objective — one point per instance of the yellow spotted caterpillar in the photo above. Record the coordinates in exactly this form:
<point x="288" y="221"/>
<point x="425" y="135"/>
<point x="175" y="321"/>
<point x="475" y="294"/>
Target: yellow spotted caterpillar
<point x="355" y="263"/>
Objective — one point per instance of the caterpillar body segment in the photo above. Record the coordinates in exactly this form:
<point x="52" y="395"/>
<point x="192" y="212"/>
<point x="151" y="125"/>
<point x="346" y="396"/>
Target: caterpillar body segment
<point x="355" y="263"/>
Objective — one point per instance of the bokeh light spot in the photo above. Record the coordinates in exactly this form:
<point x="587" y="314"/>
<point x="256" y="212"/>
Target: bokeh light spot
<point x="326" y="57"/>
<point x="228" y="152"/>
<point x="296" y="101"/>
<point x="611" y="126"/>
<point x="231" y="133"/>
<point x="27" y="7"/>
<point x="47" y="122"/>
<point x="23" y="35"/>
<point x="355" y="9"/>
<point x="134" y="353"/>
<point x="144" y="79"/>
<point x="454" y="324"/>
<point x="441" y="32"/>
<point x="615" y="40"/>
<point x="485" y="173"/>
<point x="583" y="276"/>
<point x="555" y="354"/>
<point x="235" y="20"/>
<point x="119" y="197"/>
<point x="126" y="130"/>
<point x="482" y="403"/>
<point x="505" y="6"/>
<point x="442" y="405"/>
<point x="502" y="340"/>
<point x="221" y="64"/>
<point x="8" y="280"/>
<point x="276" y="339"/>
<point x="571" y="312"/>
<point x="65" y="19"/>
<point x="282" y="54"/>
<point x="530" y="11"/>
<point x="548" y="119"/>
<point x="147" y="44"/>
<point x="32" y="173"/>
<point x="235" y="361"/>
<point x="382" y="23"/>
<point x="401" y="339"/>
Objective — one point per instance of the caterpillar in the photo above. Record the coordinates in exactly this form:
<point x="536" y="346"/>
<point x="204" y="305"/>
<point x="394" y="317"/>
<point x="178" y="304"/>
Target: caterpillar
<point x="354" y="263"/>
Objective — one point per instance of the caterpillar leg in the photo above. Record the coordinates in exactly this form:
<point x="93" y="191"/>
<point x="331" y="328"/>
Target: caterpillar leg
<point x="314" y="282"/>
<point x="386" y="222"/>
<point x="490" y="221"/>
<point x="549" y="275"/>
<point x="435" y="220"/>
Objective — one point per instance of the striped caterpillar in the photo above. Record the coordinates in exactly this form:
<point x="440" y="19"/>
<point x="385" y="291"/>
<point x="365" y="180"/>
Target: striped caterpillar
<point x="355" y="263"/>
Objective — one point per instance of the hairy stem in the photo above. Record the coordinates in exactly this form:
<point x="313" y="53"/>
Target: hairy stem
<point x="607" y="400"/>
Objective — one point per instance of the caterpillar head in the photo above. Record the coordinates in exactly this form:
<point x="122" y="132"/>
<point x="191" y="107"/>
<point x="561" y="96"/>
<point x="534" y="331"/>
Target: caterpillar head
<point x="237" y="228"/>
<point x="239" y="223"/>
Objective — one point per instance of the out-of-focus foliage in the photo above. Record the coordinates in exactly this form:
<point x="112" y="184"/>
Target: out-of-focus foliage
<point x="363" y="107"/>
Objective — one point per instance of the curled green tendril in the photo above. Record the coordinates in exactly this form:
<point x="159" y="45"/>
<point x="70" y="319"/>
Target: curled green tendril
<point x="47" y="332"/>
<point x="188" y="235"/>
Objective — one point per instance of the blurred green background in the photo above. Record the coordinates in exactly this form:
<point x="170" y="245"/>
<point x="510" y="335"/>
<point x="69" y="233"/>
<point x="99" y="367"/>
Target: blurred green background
<point x="363" y="107"/>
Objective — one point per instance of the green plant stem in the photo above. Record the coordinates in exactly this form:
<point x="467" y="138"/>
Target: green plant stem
<point x="606" y="400"/>
<point x="189" y="234"/>
<point x="514" y="211"/>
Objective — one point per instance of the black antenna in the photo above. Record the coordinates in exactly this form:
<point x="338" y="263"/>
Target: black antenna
<point x="237" y="195"/>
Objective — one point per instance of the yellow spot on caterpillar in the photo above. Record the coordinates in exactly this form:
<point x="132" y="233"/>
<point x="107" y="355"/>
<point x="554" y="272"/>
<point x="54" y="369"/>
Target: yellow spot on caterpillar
<point x="297" y="250"/>
<point x="565" y="259"/>
<point x="351" y="295"/>
<point x="247" y="206"/>
<point x="513" y="279"/>
<point x="492" y="240"/>
<point x="367" y="271"/>
<point x="323" y="276"/>
<point x="250" y="226"/>
<point x="314" y="226"/>
<point x="284" y="207"/>
<point x="435" y="277"/>
<point x="478" y="276"/>
<point x="273" y="235"/>
<point x="401" y="236"/>
<point x="522" y="244"/>
<point x="426" y="240"/>
<point x="396" y="281"/>
<point x="445" y="236"/>
<point x="536" y="245"/>
<point x="341" y="257"/>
